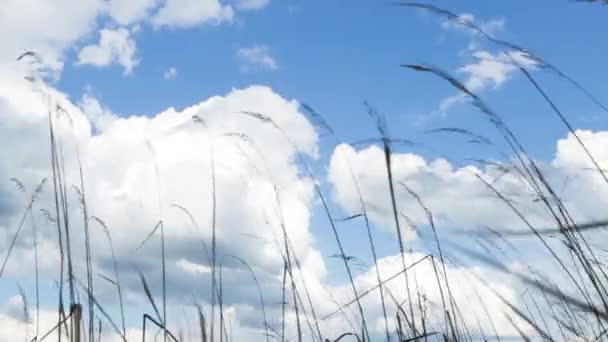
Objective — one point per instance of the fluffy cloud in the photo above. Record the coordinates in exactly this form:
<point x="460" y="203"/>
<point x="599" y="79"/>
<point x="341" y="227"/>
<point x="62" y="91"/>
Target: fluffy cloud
<point x="455" y="196"/>
<point x="256" y="56"/>
<point x="184" y="162"/>
<point x="246" y="174"/>
<point x="121" y="160"/>
<point x="50" y="30"/>
<point x="488" y="71"/>
<point x="15" y="328"/>
<point x="131" y="11"/>
<point x="98" y="115"/>
<point x="580" y="175"/>
<point x="45" y="28"/>
<point x="461" y="203"/>
<point x="492" y="70"/>
<point x="458" y="198"/>
<point x="114" y="46"/>
<point x="490" y="26"/>
<point x="137" y="168"/>
<point x="466" y="289"/>
<point x="132" y="163"/>
<point x="190" y="13"/>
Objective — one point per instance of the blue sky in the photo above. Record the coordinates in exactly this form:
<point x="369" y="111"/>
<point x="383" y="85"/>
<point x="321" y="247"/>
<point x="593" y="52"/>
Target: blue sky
<point x="332" y="56"/>
<point x="353" y="50"/>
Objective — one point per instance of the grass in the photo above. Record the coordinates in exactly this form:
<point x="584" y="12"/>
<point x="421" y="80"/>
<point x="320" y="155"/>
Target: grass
<point x="581" y="313"/>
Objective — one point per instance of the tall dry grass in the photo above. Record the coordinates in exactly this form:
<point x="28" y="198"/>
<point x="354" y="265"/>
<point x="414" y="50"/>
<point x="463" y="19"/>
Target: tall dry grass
<point x="550" y="311"/>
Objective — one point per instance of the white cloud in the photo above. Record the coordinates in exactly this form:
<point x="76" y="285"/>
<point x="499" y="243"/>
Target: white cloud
<point x="571" y="155"/>
<point x="256" y="56"/>
<point x="455" y="196"/>
<point x="17" y="309"/>
<point x="490" y="26"/>
<point x="186" y="322"/>
<point x="98" y="115"/>
<point x="190" y="13"/>
<point x="50" y="33"/>
<point x="47" y="28"/>
<point x="15" y="329"/>
<point x="173" y="131"/>
<point x="120" y="177"/>
<point x="122" y="185"/>
<point x="126" y="12"/>
<point x="115" y="46"/>
<point x="251" y="4"/>
<point x="493" y="70"/>
<point x="170" y="73"/>
<point x="461" y="203"/>
<point x="458" y="199"/>
<point x="582" y="176"/>
<point x="488" y="71"/>
<point x="122" y="189"/>
<point x="466" y="290"/>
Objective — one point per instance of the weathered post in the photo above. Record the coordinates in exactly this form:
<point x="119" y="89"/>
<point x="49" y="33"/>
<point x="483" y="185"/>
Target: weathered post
<point x="76" y="311"/>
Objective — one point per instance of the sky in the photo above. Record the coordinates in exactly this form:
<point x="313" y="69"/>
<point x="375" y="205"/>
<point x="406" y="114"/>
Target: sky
<point x="132" y="75"/>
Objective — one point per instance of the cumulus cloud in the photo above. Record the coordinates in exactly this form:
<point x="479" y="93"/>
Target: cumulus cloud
<point x="44" y="321"/>
<point x="141" y="169"/>
<point x="15" y="328"/>
<point x="237" y="181"/>
<point x="121" y="157"/>
<point x="114" y="47"/>
<point x="121" y="162"/>
<point x="256" y="57"/>
<point x="45" y="28"/>
<point x="17" y="309"/>
<point x="487" y="71"/>
<point x="455" y="195"/>
<point x="582" y="175"/>
<point x="98" y="115"/>
<point x="461" y="203"/>
<point x="466" y="290"/>
<point x="190" y="13"/>
<point x="132" y="11"/>
<point x="51" y="30"/>
<point x="157" y="139"/>
<point x="493" y="70"/>
<point x="137" y="168"/>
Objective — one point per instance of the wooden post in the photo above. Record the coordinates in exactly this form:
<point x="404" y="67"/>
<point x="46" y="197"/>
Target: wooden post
<point x="76" y="311"/>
